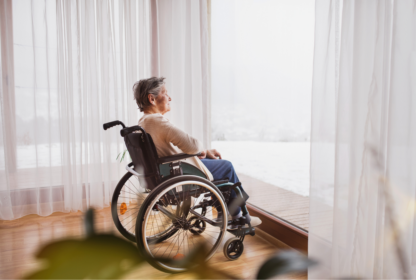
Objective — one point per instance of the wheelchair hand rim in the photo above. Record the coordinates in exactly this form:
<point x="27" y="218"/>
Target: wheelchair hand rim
<point x="223" y="229"/>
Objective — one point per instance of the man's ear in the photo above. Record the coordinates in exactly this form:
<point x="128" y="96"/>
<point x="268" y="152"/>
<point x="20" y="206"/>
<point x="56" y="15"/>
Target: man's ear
<point x="150" y="98"/>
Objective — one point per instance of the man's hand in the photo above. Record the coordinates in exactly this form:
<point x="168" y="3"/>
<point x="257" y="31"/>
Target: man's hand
<point x="213" y="154"/>
<point x="202" y="155"/>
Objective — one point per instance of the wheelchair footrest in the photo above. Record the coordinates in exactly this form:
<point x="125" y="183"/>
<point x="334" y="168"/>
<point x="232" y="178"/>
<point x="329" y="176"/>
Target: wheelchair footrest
<point x="243" y="231"/>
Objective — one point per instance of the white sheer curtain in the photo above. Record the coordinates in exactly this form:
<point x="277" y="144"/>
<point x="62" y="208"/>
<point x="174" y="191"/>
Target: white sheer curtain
<point x="67" y="67"/>
<point x="363" y="142"/>
<point x="182" y="49"/>
<point x="74" y="64"/>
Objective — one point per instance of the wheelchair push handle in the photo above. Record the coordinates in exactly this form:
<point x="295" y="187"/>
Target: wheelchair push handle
<point x="111" y="124"/>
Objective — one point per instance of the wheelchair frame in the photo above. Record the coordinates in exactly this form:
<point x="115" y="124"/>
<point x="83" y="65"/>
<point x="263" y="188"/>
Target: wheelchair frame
<point x="156" y="175"/>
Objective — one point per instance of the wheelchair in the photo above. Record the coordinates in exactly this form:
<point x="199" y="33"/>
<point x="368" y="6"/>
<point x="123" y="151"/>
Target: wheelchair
<point x="169" y="207"/>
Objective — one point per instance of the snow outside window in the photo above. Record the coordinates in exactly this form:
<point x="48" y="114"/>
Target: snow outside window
<point x="261" y="79"/>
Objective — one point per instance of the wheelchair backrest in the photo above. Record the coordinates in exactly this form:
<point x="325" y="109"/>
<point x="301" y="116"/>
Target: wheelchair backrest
<point x="143" y="153"/>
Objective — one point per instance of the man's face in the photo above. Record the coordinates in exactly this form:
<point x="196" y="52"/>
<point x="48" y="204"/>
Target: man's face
<point x="162" y="101"/>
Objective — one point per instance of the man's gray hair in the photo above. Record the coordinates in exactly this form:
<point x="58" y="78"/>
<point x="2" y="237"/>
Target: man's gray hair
<point x="144" y="87"/>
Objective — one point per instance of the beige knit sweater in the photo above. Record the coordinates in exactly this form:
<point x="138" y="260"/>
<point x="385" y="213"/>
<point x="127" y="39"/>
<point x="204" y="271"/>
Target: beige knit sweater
<point x="170" y="140"/>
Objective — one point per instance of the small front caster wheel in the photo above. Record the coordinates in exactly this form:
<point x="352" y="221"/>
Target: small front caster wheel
<point x="233" y="248"/>
<point x="197" y="226"/>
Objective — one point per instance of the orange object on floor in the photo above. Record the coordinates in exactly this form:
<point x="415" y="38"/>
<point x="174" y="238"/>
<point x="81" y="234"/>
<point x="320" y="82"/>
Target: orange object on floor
<point x="178" y="256"/>
<point x="123" y="208"/>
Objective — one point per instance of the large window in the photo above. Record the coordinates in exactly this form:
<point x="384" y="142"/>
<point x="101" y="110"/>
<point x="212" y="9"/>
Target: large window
<point x="261" y="55"/>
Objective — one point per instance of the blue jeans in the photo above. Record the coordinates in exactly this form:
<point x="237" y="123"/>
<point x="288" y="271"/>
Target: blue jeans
<point x="220" y="170"/>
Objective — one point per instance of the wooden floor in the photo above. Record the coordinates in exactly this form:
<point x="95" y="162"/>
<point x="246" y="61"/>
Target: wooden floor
<point x="285" y="204"/>
<point x="20" y="239"/>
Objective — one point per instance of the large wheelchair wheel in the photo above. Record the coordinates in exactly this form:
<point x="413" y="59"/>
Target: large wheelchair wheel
<point x="174" y="207"/>
<point x="127" y="199"/>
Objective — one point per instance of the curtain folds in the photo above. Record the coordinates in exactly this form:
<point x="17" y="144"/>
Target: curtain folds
<point x="182" y="49"/>
<point x="363" y="141"/>
<point x="68" y="67"/>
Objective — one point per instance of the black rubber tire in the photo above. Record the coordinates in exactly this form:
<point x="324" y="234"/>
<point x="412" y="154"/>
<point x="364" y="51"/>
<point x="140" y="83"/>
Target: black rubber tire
<point x="198" y="230"/>
<point x="146" y="204"/>
<point x="234" y="241"/>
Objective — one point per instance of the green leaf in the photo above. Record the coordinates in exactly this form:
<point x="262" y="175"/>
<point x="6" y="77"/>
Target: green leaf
<point x="124" y="154"/>
<point x="284" y="262"/>
<point x="121" y="155"/>
<point x="99" y="256"/>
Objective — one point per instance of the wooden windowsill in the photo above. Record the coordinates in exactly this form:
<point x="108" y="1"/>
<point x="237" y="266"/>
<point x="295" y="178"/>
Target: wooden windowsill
<point x="284" y="232"/>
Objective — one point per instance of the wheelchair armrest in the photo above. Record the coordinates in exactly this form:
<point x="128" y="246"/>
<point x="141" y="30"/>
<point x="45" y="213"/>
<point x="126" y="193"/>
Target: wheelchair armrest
<point x="177" y="157"/>
<point x="220" y="182"/>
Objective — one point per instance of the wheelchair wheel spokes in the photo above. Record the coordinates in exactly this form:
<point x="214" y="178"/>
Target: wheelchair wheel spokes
<point x="160" y="226"/>
<point x="127" y="200"/>
<point x="186" y="231"/>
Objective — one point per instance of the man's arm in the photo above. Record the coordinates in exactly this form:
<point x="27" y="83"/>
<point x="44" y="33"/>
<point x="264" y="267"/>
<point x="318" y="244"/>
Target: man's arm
<point x="182" y="140"/>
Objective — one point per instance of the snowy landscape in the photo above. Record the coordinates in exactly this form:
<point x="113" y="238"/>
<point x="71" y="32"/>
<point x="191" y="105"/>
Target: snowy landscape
<point x="282" y="164"/>
<point x="261" y="81"/>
